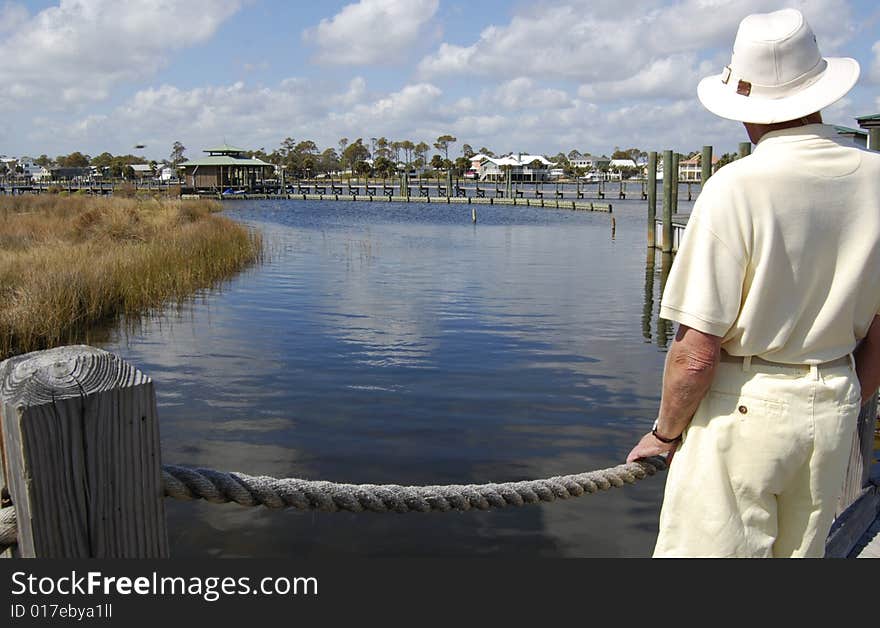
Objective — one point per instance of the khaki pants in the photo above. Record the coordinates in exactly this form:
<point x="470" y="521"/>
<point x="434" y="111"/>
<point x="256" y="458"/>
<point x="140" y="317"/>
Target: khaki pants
<point x="762" y="464"/>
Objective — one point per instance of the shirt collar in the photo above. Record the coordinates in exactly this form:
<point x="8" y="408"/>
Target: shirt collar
<point x="798" y="133"/>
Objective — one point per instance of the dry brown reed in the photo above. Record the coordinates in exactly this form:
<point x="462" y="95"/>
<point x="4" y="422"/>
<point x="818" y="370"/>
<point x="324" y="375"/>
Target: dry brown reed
<point x="69" y="264"/>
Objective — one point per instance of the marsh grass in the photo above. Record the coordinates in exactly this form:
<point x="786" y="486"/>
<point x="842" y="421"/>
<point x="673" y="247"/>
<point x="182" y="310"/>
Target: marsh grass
<point x="70" y="264"/>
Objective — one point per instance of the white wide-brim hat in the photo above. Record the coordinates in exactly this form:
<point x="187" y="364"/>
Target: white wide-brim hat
<point x="777" y="73"/>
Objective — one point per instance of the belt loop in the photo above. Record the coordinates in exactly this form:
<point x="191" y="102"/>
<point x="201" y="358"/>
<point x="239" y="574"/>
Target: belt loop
<point x="814" y="371"/>
<point x="747" y="363"/>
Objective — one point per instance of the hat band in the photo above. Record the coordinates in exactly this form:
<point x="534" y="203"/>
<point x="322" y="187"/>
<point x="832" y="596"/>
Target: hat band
<point x="747" y="88"/>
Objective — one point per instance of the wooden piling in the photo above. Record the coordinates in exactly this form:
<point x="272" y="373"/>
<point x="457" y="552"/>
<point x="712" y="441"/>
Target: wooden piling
<point x="667" y="201"/>
<point x="675" y="182"/>
<point x="706" y="165"/>
<point x="652" y="199"/>
<point x="81" y="443"/>
<point x="745" y="149"/>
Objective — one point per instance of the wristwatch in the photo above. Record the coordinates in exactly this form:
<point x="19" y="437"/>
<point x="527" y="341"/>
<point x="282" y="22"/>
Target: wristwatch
<point x="663" y="439"/>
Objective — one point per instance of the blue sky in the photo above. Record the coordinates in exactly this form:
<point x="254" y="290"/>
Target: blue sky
<point x="538" y="76"/>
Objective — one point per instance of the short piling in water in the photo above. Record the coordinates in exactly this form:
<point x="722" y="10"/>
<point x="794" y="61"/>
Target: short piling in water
<point x="474" y="215"/>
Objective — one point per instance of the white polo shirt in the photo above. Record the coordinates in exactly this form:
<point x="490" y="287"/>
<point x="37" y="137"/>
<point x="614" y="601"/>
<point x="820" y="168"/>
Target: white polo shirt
<point x="781" y="256"/>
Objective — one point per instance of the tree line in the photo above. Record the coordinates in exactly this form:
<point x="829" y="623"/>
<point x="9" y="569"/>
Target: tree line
<point x="372" y="156"/>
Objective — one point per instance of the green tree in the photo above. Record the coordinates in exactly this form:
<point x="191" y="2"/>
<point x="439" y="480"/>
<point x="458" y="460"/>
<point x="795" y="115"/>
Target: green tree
<point x="343" y="144"/>
<point x="395" y="151"/>
<point x="355" y="154"/>
<point x="443" y="143"/>
<point x="73" y="160"/>
<point x="467" y="151"/>
<point x="177" y="156"/>
<point x="421" y="151"/>
<point x="104" y="160"/>
<point x="485" y="151"/>
<point x="436" y="162"/>
<point x="329" y="160"/>
<point x="407" y="146"/>
<point x="462" y="165"/>
<point x="382" y="148"/>
<point x="725" y="159"/>
<point x="43" y="160"/>
<point x="384" y="167"/>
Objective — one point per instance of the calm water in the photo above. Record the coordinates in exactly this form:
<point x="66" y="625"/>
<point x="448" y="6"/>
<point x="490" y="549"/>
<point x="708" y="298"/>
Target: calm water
<point x="392" y="343"/>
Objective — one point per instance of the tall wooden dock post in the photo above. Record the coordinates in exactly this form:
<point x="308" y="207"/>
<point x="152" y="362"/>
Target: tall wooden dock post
<point x="448" y="184"/>
<point x="508" y="181"/>
<point x="745" y="149"/>
<point x="652" y="199"/>
<point x="667" y="201"/>
<point x="675" y="182"/>
<point x="705" y="165"/>
<point x="82" y="459"/>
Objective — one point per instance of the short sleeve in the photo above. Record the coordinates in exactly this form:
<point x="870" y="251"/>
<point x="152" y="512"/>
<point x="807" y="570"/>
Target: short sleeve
<point x="705" y="284"/>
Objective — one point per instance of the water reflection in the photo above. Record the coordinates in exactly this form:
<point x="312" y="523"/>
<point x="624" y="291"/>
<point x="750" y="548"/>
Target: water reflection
<point x="664" y="327"/>
<point x="404" y="344"/>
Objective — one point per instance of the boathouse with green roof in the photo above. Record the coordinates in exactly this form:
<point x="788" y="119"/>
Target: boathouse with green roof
<point x="226" y="167"/>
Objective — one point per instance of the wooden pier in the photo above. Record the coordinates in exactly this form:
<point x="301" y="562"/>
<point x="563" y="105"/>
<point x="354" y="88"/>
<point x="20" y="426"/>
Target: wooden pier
<point x="549" y="203"/>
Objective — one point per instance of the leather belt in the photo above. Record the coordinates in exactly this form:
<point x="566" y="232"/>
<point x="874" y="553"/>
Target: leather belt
<point x="738" y="359"/>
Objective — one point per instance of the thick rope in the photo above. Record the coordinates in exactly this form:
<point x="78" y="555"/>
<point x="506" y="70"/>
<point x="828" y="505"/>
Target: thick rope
<point x="221" y="487"/>
<point x="246" y="490"/>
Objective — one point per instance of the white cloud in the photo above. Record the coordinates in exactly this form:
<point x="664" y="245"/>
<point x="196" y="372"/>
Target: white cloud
<point x="518" y="115"/>
<point x="675" y="76"/>
<point x="523" y="93"/>
<point x="590" y="40"/>
<point x="12" y="16"/>
<point x="874" y="73"/>
<point x="79" y="50"/>
<point x="371" y="31"/>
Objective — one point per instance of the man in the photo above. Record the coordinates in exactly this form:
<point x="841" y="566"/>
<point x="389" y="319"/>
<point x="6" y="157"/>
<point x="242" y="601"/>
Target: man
<point x="776" y="282"/>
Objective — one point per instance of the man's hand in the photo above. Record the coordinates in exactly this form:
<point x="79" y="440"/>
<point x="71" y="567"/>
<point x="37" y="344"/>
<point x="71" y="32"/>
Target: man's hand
<point x="650" y="446"/>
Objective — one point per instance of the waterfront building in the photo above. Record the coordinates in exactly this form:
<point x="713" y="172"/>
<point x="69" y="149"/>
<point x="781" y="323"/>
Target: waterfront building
<point x="590" y="162"/>
<point x="691" y="170"/>
<point x="522" y="166"/>
<point x="871" y="124"/>
<point x="142" y="171"/>
<point x="226" y="167"/>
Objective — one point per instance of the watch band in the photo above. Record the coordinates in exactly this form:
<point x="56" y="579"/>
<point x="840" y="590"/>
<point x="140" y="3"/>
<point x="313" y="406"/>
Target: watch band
<point x="663" y="439"/>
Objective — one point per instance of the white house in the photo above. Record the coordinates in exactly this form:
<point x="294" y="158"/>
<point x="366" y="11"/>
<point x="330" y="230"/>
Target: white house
<point x="520" y="166"/>
<point x="29" y="168"/>
<point x="618" y="167"/>
<point x="691" y="170"/>
<point x="589" y="162"/>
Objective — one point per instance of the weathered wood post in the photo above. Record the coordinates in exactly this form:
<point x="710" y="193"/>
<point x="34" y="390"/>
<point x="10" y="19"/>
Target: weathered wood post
<point x="874" y="138"/>
<point x="745" y="149"/>
<point x="652" y="199"/>
<point x="667" y="201"/>
<point x="508" y="180"/>
<point x="448" y="184"/>
<point x="675" y="182"/>
<point x="706" y="165"/>
<point x="81" y="455"/>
